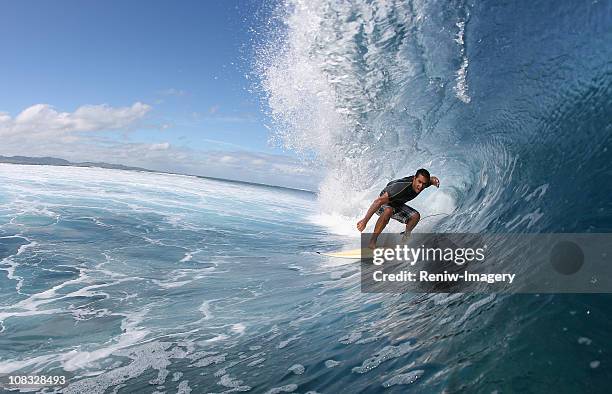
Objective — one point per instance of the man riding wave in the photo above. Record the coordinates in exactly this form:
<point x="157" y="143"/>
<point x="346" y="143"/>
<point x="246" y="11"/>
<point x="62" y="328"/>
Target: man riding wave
<point x="392" y="203"/>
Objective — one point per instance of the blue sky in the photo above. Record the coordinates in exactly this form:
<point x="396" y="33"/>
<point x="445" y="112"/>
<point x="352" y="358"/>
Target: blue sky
<point x="159" y="84"/>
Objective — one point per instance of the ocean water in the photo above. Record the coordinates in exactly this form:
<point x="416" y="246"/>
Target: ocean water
<point x="130" y="282"/>
<point x="141" y="282"/>
<point x="121" y="274"/>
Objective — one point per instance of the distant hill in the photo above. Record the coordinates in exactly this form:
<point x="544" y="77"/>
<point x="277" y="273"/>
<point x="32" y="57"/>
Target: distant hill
<point x="53" y="161"/>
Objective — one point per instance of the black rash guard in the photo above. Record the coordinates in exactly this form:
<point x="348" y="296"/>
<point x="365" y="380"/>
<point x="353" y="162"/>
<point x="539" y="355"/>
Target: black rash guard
<point x="400" y="191"/>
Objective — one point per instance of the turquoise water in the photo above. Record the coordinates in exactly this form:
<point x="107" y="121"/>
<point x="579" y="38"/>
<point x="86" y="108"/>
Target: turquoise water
<point x="101" y="262"/>
<point x="149" y="282"/>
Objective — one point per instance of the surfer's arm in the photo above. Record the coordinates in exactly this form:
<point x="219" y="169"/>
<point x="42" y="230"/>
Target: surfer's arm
<point x="384" y="199"/>
<point x="434" y="181"/>
<point x="380" y="201"/>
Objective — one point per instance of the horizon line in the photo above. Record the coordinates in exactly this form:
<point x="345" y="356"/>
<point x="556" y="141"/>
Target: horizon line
<point x="101" y="164"/>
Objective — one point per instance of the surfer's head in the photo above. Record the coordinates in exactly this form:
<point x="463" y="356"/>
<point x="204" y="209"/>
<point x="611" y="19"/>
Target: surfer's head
<point x="421" y="179"/>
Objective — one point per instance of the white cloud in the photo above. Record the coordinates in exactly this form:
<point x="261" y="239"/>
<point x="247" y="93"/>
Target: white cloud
<point x="227" y="159"/>
<point x="160" y="146"/>
<point x="44" y="120"/>
<point x="100" y="117"/>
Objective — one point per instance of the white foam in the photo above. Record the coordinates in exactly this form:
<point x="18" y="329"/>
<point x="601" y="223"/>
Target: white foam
<point x="188" y="257"/>
<point x="238" y="328"/>
<point x="29" y="306"/>
<point x="228" y="381"/>
<point x="12" y="264"/>
<point x="531" y="218"/>
<point x="255" y="362"/>
<point x="155" y="355"/>
<point x="131" y="335"/>
<point x="220" y="337"/>
<point x="474" y="307"/>
<point x="286" y="342"/>
<point x="183" y="387"/>
<point x="297" y="369"/>
<point x="174" y="276"/>
<point x="205" y="309"/>
<point x="331" y="363"/>
<point x="461" y="85"/>
<point x="442" y="299"/>
<point x="386" y="353"/>
<point x="351" y="338"/>
<point x="404" y="378"/>
<point x="12" y="366"/>
<point x="289" y="388"/>
<point x="206" y="361"/>
<point x="336" y="223"/>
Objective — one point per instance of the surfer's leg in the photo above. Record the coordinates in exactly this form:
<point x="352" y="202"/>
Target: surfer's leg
<point x="412" y="222"/>
<point x="410" y="217"/>
<point x="381" y="223"/>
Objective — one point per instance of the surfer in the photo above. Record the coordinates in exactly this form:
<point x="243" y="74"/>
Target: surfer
<point x="391" y="204"/>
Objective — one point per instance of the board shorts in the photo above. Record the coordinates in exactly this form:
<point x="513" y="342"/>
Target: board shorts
<point x="402" y="213"/>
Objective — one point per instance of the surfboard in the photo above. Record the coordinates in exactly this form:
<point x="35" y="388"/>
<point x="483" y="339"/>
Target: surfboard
<point x="365" y="253"/>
